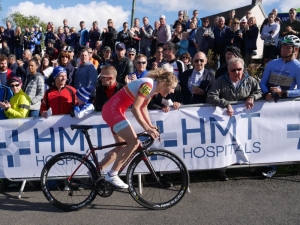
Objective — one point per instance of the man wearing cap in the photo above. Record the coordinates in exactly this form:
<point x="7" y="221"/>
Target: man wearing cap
<point x="163" y="34"/>
<point x="61" y="97"/>
<point x="123" y="65"/>
<point x="73" y="61"/>
<point x="230" y="52"/>
<point x="181" y="21"/>
<point x="18" y="106"/>
<point x="146" y="38"/>
<point x="131" y="53"/>
<point x="107" y="86"/>
<point x="86" y="74"/>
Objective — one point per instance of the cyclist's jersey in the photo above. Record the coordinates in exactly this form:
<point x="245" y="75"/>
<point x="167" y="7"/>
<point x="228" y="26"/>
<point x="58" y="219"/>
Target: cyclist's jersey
<point x="283" y="74"/>
<point x="113" y="110"/>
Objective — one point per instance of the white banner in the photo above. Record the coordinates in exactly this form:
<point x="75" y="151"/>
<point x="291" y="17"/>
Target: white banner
<point x="204" y="137"/>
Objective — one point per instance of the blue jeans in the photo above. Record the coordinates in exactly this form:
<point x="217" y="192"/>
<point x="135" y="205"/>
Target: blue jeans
<point x="19" y="52"/>
<point x="34" y="113"/>
<point x="146" y="50"/>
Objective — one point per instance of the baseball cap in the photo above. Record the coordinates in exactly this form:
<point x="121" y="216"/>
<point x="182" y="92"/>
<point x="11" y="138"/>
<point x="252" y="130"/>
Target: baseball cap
<point x="84" y="93"/>
<point x="243" y="20"/>
<point x="235" y="50"/>
<point x="69" y="49"/>
<point x="58" y="70"/>
<point x="120" y="45"/>
<point x="162" y="17"/>
<point x="131" y="50"/>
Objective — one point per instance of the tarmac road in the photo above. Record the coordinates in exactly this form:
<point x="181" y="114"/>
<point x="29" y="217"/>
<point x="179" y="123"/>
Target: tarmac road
<point x="238" y="201"/>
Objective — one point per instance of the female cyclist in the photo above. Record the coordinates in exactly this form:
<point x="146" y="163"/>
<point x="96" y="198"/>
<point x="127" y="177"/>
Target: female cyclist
<point x="138" y="93"/>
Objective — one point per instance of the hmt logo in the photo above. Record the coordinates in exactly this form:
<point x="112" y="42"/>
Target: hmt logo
<point x="12" y="148"/>
<point x="293" y="131"/>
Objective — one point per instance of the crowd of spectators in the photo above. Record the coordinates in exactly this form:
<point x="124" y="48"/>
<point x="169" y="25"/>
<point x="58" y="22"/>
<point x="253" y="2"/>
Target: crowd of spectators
<point x="80" y="71"/>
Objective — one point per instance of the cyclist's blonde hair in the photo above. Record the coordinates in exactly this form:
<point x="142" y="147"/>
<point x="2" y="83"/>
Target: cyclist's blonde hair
<point x="163" y="76"/>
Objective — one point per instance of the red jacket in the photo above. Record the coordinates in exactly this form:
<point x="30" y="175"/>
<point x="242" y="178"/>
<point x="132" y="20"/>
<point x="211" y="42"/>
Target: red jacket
<point x="61" y="102"/>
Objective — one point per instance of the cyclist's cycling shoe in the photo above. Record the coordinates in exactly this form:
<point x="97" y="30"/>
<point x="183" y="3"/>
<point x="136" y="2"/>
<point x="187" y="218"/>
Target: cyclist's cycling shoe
<point x="116" y="181"/>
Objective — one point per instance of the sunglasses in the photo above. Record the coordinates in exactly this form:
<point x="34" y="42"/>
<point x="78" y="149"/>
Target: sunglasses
<point x="205" y="21"/>
<point x="131" y="54"/>
<point x="105" y="76"/>
<point x="198" y="60"/>
<point x="180" y="14"/>
<point x="141" y="62"/>
<point x="14" y="85"/>
<point x="165" y="49"/>
<point x="237" y="69"/>
<point x="64" y="56"/>
<point x="236" y="23"/>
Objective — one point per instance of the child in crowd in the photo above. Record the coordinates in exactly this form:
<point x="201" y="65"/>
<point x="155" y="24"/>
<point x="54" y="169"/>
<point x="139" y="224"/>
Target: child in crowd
<point x="5" y="49"/>
<point x="183" y="44"/>
<point x="31" y="43"/>
<point x="85" y="106"/>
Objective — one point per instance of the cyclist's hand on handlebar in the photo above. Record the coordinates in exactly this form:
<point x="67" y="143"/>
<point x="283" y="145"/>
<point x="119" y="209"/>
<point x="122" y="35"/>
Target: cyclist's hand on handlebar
<point x="153" y="132"/>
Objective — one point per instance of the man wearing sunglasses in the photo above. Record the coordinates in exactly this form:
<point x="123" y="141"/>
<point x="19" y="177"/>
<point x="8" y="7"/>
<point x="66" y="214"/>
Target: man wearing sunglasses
<point x="196" y="82"/>
<point x="235" y="85"/>
<point x="140" y="64"/>
<point x="107" y="86"/>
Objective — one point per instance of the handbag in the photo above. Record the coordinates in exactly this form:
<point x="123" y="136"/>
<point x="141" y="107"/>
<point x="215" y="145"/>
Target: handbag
<point x="269" y="41"/>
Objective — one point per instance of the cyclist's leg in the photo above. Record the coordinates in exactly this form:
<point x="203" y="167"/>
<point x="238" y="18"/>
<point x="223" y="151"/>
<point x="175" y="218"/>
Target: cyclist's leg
<point x="112" y="154"/>
<point x="129" y="136"/>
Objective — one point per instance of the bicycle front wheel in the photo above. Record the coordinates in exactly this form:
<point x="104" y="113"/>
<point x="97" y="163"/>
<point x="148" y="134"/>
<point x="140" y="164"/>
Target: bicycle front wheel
<point x="64" y="192"/>
<point x="163" y="189"/>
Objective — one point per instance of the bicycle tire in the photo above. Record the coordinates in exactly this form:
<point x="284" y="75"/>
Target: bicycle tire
<point x="69" y="195"/>
<point x="173" y="179"/>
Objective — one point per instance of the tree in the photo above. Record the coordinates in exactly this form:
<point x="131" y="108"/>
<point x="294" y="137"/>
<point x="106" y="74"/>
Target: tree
<point x="19" y="20"/>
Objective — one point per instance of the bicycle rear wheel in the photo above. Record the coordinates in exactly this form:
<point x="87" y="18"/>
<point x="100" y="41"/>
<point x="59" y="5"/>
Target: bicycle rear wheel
<point x="172" y="183"/>
<point x="69" y="194"/>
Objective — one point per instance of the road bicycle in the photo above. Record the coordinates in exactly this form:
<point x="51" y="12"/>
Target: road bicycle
<point x="164" y="176"/>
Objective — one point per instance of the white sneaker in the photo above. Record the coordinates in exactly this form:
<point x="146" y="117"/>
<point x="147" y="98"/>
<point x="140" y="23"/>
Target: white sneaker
<point x="116" y="181"/>
<point x="269" y="174"/>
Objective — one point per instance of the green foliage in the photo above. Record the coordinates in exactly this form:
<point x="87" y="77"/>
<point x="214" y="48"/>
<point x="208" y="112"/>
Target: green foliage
<point x="19" y="20"/>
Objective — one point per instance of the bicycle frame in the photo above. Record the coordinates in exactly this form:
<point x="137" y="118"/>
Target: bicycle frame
<point x="132" y="155"/>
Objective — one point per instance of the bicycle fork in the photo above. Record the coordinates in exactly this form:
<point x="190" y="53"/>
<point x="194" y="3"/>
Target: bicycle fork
<point x="149" y="165"/>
